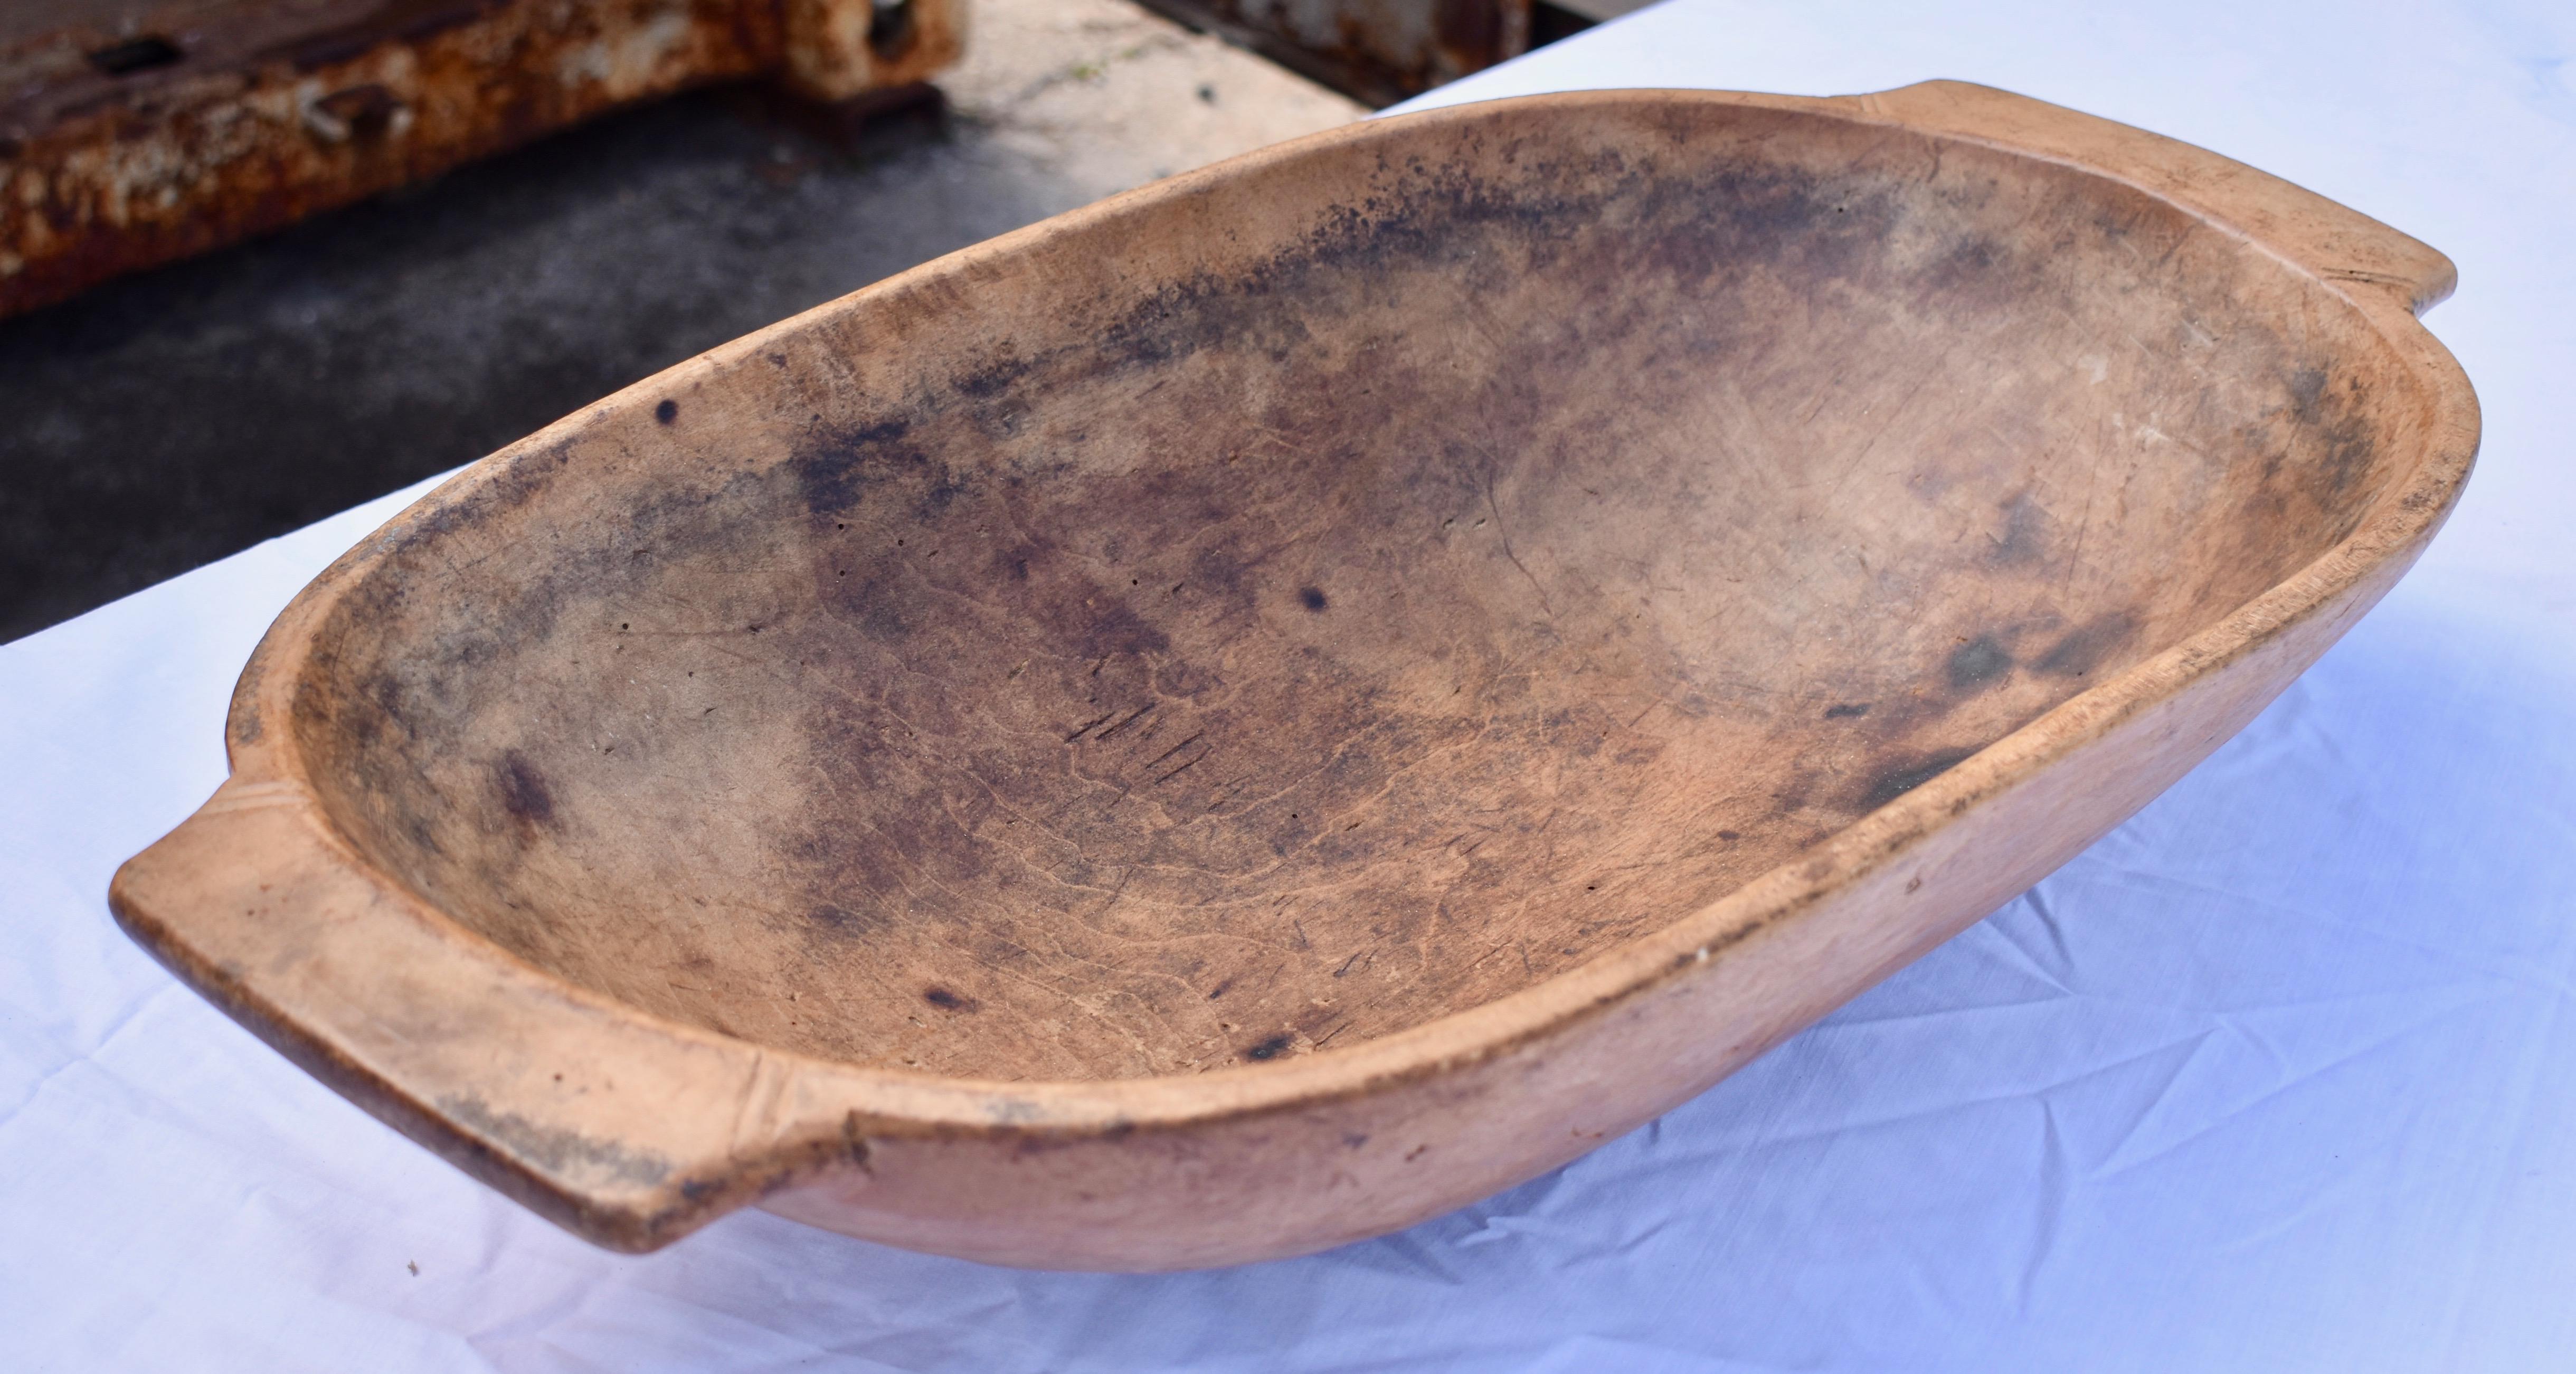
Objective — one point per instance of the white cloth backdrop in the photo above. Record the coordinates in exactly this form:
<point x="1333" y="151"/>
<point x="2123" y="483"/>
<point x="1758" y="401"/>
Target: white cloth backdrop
<point x="2279" y="1077"/>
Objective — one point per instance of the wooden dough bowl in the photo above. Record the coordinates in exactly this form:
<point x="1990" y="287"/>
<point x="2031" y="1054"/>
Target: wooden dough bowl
<point x="1266" y="709"/>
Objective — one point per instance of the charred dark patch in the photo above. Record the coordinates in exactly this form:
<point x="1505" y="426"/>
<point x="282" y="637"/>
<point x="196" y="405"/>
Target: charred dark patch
<point x="946" y="1000"/>
<point x="835" y="469"/>
<point x="1116" y="629"/>
<point x="2349" y="444"/>
<point x="1312" y="598"/>
<point x="945" y="487"/>
<point x="667" y="411"/>
<point x="2025" y="533"/>
<point x="1976" y="272"/>
<point x="2350" y="449"/>
<point x="523" y="790"/>
<point x="995" y="377"/>
<point x="515" y="1140"/>
<point x="2082" y="649"/>
<point x="1271" y="1048"/>
<point x="1224" y="570"/>
<point x="2330" y="418"/>
<point x="1849" y="710"/>
<point x="1722" y="222"/>
<point x="2307" y="388"/>
<point x="840" y="920"/>
<point x="875" y="593"/>
<point x="1904" y="775"/>
<point x="1968" y="260"/>
<point x="528" y="474"/>
<point x="1979" y="663"/>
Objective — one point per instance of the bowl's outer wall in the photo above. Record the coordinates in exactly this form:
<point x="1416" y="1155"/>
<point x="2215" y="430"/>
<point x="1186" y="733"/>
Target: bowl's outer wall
<point x="632" y="1130"/>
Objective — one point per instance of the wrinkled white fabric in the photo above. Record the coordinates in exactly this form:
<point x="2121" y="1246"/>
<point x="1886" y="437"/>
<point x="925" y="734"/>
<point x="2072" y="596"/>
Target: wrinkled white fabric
<point x="2281" y="1076"/>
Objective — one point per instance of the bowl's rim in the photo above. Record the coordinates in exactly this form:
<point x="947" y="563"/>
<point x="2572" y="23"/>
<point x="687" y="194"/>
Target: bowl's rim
<point x="2384" y="275"/>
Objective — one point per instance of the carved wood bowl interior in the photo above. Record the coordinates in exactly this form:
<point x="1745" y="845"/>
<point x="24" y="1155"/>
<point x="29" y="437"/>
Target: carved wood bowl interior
<point x="1281" y="611"/>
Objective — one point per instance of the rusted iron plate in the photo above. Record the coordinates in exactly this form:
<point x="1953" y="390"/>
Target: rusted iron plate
<point x="1378" y="51"/>
<point x="135" y="132"/>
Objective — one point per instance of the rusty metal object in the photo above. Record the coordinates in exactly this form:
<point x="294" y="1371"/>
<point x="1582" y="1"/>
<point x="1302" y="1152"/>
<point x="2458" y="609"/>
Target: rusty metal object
<point x="133" y="133"/>
<point x="1378" y="51"/>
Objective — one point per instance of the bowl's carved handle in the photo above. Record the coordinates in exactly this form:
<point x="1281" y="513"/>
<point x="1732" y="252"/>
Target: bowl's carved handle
<point x="2362" y="256"/>
<point x="624" y="1130"/>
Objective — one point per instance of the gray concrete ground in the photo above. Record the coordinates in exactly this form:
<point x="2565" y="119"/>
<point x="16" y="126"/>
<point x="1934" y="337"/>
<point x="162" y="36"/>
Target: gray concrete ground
<point x="166" y="420"/>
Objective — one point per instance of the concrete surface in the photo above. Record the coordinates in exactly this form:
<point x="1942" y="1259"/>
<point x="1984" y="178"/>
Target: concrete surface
<point x="167" y="420"/>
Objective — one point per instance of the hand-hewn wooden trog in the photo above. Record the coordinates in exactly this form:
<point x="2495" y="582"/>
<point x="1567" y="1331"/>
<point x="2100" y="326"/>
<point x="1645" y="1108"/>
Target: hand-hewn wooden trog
<point x="1273" y="706"/>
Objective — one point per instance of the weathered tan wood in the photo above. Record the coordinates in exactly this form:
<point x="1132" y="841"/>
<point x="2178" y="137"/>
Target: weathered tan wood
<point x="1266" y="709"/>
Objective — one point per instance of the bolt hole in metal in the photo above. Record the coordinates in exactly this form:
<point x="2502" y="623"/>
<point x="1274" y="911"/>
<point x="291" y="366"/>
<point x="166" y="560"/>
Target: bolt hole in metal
<point x="890" y="28"/>
<point x="136" y="55"/>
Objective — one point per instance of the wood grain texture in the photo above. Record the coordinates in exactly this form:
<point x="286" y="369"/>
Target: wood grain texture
<point x="1271" y="707"/>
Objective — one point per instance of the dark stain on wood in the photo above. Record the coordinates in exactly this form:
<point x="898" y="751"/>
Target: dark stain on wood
<point x="1981" y="662"/>
<point x="523" y="791"/>
<point x="1904" y="775"/>
<point x="2085" y="647"/>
